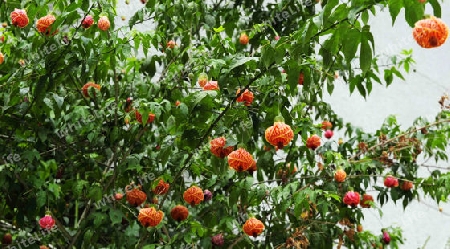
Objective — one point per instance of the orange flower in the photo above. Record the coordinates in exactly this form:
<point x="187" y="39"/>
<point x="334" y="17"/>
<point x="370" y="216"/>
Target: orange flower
<point x="86" y="87"/>
<point x="246" y="97"/>
<point x="19" y="18"/>
<point x="161" y="188"/>
<point x="150" y="217"/>
<point x="193" y="195"/>
<point x="103" y="23"/>
<point x="240" y="160"/>
<point x="279" y="135"/>
<point x="2" y="58"/>
<point x="430" y="33"/>
<point x="253" y="227"/>
<point x="151" y="117"/>
<point x="313" y="142"/>
<point x="179" y="213"/>
<point x="366" y="201"/>
<point x="326" y="125"/>
<point x="43" y="25"/>
<point x="211" y="85"/>
<point x="340" y="175"/>
<point x="218" y="147"/>
<point x="136" y="197"/>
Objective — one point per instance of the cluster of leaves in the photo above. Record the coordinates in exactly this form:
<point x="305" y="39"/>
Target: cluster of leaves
<point x="73" y="151"/>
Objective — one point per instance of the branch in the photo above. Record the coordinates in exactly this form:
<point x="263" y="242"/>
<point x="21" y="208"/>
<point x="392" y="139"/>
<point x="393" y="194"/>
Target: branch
<point x="352" y="159"/>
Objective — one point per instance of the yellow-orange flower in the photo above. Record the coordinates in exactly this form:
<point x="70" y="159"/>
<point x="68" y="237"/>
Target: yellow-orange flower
<point x="279" y="135"/>
<point x="2" y="58"/>
<point x="86" y="87"/>
<point x="240" y="160"/>
<point x="252" y="168"/>
<point x="193" y="195"/>
<point x="19" y="18"/>
<point x="161" y="188"/>
<point x="246" y="97"/>
<point x="253" y="227"/>
<point x="430" y="33"/>
<point x="218" y="147"/>
<point x="150" y="217"/>
<point x="44" y="24"/>
<point x="103" y="23"/>
<point x="136" y="197"/>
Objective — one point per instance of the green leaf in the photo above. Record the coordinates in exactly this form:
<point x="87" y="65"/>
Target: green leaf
<point x="365" y="58"/>
<point x="351" y="43"/>
<point x="413" y="12"/>
<point x="219" y="29"/>
<point x="116" y="216"/>
<point x="394" y="8"/>
<point x="41" y="198"/>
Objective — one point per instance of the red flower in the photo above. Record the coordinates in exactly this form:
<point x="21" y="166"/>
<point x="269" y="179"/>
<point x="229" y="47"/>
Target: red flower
<point x="328" y="134"/>
<point x="390" y="182"/>
<point x="151" y="117"/>
<point x="179" y="213"/>
<point x="240" y="160"/>
<point x="211" y="85"/>
<point x="246" y="97"/>
<point x="351" y="198"/>
<point x="406" y="185"/>
<point x="136" y="197"/>
<point x="87" y="22"/>
<point x="366" y="201"/>
<point x="218" y="147"/>
<point x="19" y="18"/>
<point x="47" y="222"/>
<point x="253" y="227"/>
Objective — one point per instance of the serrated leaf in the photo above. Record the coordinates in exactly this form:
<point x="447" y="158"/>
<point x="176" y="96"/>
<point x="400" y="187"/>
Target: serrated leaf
<point x="365" y="58"/>
<point x="115" y="216"/>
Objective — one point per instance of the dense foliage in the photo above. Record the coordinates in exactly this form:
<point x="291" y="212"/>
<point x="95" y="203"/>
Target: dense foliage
<point x="77" y="84"/>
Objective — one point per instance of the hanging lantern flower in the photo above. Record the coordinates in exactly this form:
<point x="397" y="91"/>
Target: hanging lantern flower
<point x="313" y="142"/>
<point x="193" y="195"/>
<point x="240" y="160"/>
<point x="47" y="222"/>
<point x="280" y="134"/>
<point x="179" y="213"/>
<point x="218" y="147"/>
<point x="430" y="33"/>
<point x="253" y="227"/>
<point x="19" y="18"/>
<point x="246" y="97"/>
<point x="161" y="188"/>
<point x="366" y="201"/>
<point x="351" y="198"/>
<point x="207" y="195"/>
<point x="136" y="197"/>
<point x="211" y="85"/>
<point x="85" y="88"/>
<point x="150" y="217"/>
<point x="43" y="24"/>
<point x="103" y="23"/>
